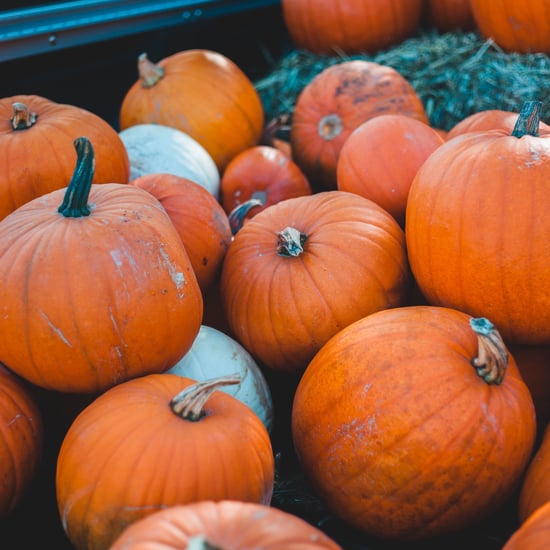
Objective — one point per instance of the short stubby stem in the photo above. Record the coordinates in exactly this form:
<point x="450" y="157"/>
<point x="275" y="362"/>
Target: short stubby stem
<point x="492" y="357"/>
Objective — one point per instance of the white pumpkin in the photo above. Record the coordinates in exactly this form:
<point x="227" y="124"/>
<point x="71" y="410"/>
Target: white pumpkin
<point x="214" y="353"/>
<point x="157" y="149"/>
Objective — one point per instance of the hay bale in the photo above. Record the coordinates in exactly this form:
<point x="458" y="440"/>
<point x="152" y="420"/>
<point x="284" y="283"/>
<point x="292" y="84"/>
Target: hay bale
<point x="455" y="75"/>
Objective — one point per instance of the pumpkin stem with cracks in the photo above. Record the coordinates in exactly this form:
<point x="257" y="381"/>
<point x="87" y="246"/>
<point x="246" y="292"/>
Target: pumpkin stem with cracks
<point x="75" y="201"/>
<point x="528" y="120"/>
<point x="189" y="403"/>
<point x="238" y="214"/>
<point x="492" y="357"/>
<point x="22" y="118"/>
<point x="149" y="73"/>
<point x="290" y="242"/>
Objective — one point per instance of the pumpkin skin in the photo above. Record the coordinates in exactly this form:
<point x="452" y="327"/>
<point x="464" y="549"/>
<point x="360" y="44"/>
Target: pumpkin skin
<point x="264" y="173"/>
<point x="477" y="230"/>
<point x="21" y="440"/>
<point x="281" y="307"/>
<point x="334" y="103"/>
<point x="88" y="301"/>
<point x="157" y="149"/>
<point x="199" y="219"/>
<point x="535" y="488"/>
<point x="202" y="93"/>
<point x="381" y="157"/>
<point x="400" y="436"/>
<point x="227" y="524"/>
<point x="131" y="433"/>
<point x="215" y="353"/>
<point x="41" y="158"/>
<point x="350" y="26"/>
<point x="533" y="533"/>
<point x="514" y="26"/>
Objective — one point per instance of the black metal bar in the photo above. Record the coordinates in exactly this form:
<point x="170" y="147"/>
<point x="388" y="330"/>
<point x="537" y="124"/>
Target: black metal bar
<point x="42" y="29"/>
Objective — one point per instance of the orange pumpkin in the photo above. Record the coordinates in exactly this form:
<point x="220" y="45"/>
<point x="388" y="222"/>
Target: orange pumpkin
<point x="21" y="440"/>
<point x="37" y="153"/>
<point x="533" y="533"/>
<point x="450" y="15"/>
<point x="224" y="524"/>
<point x="413" y="422"/>
<point x="305" y="268"/>
<point x="515" y="26"/>
<point x="381" y="157"/>
<point x="202" y="93"/>
<point x="153" y="442"/>
<point x="535" y="488"/>
<point x="334" y="103"/>
<point x="263" y="173"/>
<point x="350" y="26"/>
<point x="96" y="286"/>
<point x="477" y="228"/>
<point x="199" y="218"/>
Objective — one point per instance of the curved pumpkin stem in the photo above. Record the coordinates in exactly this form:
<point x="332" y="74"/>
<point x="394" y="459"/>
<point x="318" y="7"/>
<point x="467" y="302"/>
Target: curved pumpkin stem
<point x="528" y="120"/>
<point x="238" y="214"/>
<point x="75" y="202"/>
<point x="492" y="357"/>
<point x="290" y="242"/>
<point x="189" y="403"/>
<point x="149" y="73"/>
<point x="22" y="118"/>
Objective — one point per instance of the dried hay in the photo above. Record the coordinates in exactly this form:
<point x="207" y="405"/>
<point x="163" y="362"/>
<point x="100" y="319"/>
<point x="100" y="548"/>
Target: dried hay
<point x="455" y="75"/>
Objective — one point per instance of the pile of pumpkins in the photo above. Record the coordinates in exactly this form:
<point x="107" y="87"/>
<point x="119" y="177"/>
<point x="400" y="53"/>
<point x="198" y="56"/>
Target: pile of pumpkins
<point x="395" y="275"/>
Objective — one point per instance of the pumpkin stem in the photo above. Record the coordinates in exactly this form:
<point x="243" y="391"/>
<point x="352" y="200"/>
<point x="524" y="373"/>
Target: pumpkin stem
<point x="22" y="118"/>
<point x="275" y="127"/>
<point x="492" y="357"/>
<point x="330" y="126"/>
<point x="200" y="543"/>
<point x="238" y="214"/>
<point x="189" y="403"/>
<point x="528" y="120"/>
<point x="75" y="201"/>
<point x="290" y="242"/>
<point x="149" y="73"/>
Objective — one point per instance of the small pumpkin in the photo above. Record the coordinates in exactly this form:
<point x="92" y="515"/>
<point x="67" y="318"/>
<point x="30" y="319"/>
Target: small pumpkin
<point x="535" y="487"/>
<point x="381" y="157"/>
<point x="263" y="173"/>
<point x="214" y="354"/>
<point x="199" y="219"/>
<point x="223" y="524"/>
<point x="350" y="26"/>
<point x="304" y="268"/>
<point x="21" y="440"/>
<point x="184" y="441"/>
<point x="533" y="533"/>
<point x="413" y="422"/>
<point x="477" y="227"/>
<point x="37" y="153"/>
<point x="96" y="286"/>
<point x="202" y="93"/>
<point x="334" y="103"/>
<point x="158" y="149"/>
<point x="514" y="26"/>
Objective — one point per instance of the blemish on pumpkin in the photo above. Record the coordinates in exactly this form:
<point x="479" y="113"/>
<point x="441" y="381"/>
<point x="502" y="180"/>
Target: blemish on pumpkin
<point x="55" y="329"/>
<point x="177" y="276"/>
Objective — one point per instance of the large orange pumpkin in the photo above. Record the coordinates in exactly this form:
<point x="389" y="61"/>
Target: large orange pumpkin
<point x="334" y="103"/>
<point x="478" y="227"/>
<point x="225" y="524"/>
<point x="154" y="442"/>
<point x="21" y="440"/>
<point x="304" y="268"/>
<point x="37" y="153"/>
<point x="413" y="422"/>
<point x="199" y="218"/>
<point x="535" y="488"/>
<point x="533" y="534"/>
<point x="350" y="26"/>
<point x="515" y="26"/>
<point x="96" y="286"/>
<point x="202" y="93"/>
